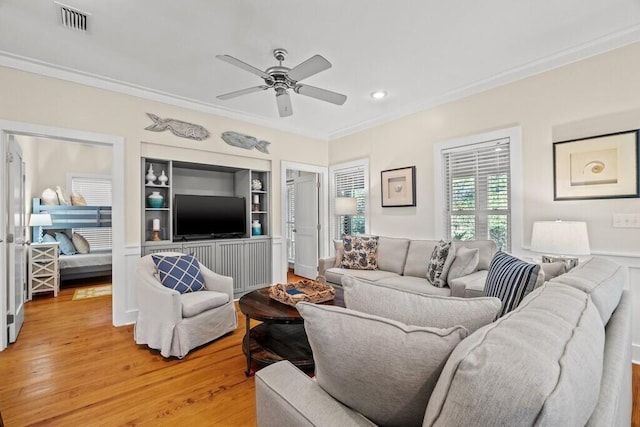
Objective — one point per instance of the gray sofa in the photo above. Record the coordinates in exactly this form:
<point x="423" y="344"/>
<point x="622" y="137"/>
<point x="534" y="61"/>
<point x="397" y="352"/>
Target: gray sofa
<point x="402" y="263"/>
<point x="561" y="358"/>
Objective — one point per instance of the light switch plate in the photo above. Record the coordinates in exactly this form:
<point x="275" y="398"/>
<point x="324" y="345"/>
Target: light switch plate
<point x="626" y="220"/>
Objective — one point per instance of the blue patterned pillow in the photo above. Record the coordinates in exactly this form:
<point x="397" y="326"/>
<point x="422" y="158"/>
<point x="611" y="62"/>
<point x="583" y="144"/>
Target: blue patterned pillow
<point x="181" y="273"/>
<point x="66" y="246"/>
<point x="510" y="279"/>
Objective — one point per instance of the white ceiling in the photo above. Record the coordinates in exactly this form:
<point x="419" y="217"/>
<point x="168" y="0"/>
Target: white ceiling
<point x="421" y="52"/>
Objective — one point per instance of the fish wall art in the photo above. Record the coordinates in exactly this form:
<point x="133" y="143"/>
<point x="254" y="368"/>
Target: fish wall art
<point x="245" y="141"/>
<point x="178" y="128"/>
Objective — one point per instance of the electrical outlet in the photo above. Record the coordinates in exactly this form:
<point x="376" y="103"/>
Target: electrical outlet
<point x="626" y="220"/>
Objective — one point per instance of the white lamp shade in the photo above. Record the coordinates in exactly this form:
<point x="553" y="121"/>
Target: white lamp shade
<point x="40" y="220"/>
<point x="346" y="206"/>
<point x="560" y="238"/>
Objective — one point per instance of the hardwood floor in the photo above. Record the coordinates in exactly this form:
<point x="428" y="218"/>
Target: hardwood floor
<point x="70" y="367"/>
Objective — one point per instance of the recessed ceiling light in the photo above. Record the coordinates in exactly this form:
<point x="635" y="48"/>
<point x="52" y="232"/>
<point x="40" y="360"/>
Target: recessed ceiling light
<point x="379" y="94"/>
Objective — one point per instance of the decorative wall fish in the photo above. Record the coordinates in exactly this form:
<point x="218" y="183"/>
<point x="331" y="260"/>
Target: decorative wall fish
<point x="245" y="141"/>
<point x="178" y="128"/>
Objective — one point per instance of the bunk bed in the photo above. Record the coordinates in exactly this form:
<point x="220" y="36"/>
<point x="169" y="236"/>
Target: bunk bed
<point x="64" y="218"/>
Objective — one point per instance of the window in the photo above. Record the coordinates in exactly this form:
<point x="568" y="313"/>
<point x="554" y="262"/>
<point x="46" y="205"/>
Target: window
<point x="477" y="192"/>
<point x="350" y="180"/>
<point x="96" y="190"/>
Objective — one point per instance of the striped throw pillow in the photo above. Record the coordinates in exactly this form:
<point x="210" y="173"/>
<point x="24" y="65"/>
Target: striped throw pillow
<point x="510" y="279"/>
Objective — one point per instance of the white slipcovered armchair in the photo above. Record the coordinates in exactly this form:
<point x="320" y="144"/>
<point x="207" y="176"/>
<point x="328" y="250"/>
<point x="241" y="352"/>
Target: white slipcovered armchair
<point x="175" y="323"/>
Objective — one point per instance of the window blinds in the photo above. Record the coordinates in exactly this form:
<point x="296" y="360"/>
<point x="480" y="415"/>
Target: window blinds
<point x="96" y="192"/>
<point x="349" y="181"/>
<point x="477" y="180"/>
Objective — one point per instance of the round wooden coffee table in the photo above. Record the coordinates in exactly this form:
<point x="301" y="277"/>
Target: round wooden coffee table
<point x="281" y="334"/>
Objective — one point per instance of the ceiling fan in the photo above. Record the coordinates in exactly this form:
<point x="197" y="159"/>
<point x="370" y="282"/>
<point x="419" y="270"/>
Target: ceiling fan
<point x="281" y="79"/>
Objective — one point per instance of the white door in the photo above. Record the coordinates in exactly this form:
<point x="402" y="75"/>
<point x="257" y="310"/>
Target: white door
<point x="16" y="259"/>
<point x="306" y="226"/>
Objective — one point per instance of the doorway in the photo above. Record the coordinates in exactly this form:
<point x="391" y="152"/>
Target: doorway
<point x="9" y="129"/>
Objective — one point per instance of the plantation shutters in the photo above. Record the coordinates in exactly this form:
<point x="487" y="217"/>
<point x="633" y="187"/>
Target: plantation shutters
<point x="349" y="180"/>
<point x="96" y="191"/>
<point x="477" y="192"/>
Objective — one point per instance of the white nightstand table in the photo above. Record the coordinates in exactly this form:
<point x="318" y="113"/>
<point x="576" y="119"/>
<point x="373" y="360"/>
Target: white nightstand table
<point x="43" y="268"/>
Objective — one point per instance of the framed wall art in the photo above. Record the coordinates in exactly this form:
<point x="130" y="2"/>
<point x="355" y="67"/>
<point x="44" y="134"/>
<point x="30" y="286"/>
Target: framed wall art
<point x="598" y="167"/>
<point x="398" y="187"/>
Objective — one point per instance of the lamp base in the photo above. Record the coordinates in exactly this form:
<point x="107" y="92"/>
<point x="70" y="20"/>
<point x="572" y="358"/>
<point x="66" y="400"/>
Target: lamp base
<point x="156" y="236"/>
<point x="569" y="262"/>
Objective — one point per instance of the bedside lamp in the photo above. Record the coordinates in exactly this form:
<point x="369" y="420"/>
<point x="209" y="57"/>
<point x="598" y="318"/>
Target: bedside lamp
<point x="40" y="220"/>
<point x="346" y="207"/>
<point x="561" y="240"/>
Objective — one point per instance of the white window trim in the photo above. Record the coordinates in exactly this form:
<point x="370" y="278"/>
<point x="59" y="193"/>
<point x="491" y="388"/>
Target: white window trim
<point x="515" y="146"/>
<point x="364" y="162"/>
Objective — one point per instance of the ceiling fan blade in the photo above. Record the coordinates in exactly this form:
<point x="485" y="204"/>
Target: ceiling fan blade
<point x="250" y="68"/>
<point x="242" y="92"/>
<point x="321" y="94"/>
<point x="284" y="103"/>
<point x="308" y="68"/>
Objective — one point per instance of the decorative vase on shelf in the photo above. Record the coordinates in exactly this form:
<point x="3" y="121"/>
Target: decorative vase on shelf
<point x="155" y="200"/>
<point x="151" y="177"/>
<point x="256" y="228"/>
<point x="163" y="178"/>
<point x="256" y="184"/>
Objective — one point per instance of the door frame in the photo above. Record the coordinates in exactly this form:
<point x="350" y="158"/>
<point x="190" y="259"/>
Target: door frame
<point x="323" y="206"/>
<point x="117" y="215"/>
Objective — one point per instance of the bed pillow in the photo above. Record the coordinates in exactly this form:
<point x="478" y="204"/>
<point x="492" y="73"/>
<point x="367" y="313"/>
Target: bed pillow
<point x="49" y="197"/>
<point x="66" y="245"/>
<point x="179" y="272"/>
<point x="62" y="196"/>
<point x="48" y="238"/>
<point x="77" y="199"/>
<point x="81" y="244"/>
<point x="382" y="368"/>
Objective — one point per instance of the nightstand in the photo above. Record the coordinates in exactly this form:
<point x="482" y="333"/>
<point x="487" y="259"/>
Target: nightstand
<point x="43" y="268"/>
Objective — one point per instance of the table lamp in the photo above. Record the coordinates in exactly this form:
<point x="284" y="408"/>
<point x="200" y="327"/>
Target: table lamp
<point x="560" y="241"/>
<point x="40" y="220"/>
<point x="346" y="207"/>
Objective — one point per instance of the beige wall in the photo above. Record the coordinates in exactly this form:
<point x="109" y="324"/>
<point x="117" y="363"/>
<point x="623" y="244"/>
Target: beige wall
<point x="37" y="99"/>
<point x="590" y="97"/>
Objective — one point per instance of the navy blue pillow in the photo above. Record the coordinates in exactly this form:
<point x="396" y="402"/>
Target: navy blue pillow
<point x="510" y="279"/>
<point x="181" y="273"/>
<point x="66" y="245"/>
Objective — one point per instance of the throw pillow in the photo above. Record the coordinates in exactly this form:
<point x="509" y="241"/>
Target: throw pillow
<point x="179" y="272"/>
<point x="417" y="309"/>
<point x="77" y="199"/>
<point x="381" y="368"/>
<point x="49" y="197"/>
<point x="510" y="279"/>
<point x="66" y="245"/>
<point x="441" y="259"/>
<point x="48" y="238"/>
<point x="62" y="198"/>
<point x="360" y="252"/>
<point x="81" y="244"/>
<point x="339" y="249"/>
<point x="553" y="269"/>
<point x="465" y="262"/>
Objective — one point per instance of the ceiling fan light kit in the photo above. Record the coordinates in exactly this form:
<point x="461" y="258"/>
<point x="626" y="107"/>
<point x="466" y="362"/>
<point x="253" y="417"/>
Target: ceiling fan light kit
<point x="282" y="79"/>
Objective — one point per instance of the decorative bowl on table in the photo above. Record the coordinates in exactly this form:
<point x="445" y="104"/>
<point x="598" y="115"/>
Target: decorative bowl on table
<point x="304" y="290"/>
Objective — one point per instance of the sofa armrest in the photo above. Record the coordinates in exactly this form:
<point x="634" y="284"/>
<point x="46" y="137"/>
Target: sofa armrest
<point x="286" y="397"/>
<point x="325" y="263"/>
<point x="469" y="286"/>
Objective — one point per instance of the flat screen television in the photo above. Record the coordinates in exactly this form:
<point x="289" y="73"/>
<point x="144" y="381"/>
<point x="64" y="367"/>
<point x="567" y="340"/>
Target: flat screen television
<point x="206" y="217"/>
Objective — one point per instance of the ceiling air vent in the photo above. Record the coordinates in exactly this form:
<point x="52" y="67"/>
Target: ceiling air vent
<point x="72" y="18"/>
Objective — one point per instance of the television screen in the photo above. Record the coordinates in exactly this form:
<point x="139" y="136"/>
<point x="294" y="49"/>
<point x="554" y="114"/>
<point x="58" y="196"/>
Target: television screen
<point x="208" y="216"/>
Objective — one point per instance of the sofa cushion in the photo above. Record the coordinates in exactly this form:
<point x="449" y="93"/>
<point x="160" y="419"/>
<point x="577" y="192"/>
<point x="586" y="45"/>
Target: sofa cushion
<point x="360" y="252"/>
<point x="441" y="259"/>
<point x="415" y="284"/>
<point x="418" y="257"/>
<point x="469" y="286"/>
<point x="601" y="278"/>
<point x="464" y="263"/>
<point x="392" y="253"/>
<point x="179" y="272"/>
<point x="335" y="275"/>
<point x="382" y="368"/>
<point x="194" y="303"/>
<point x="418" y="309"/>
<point x="539" y="365"/>
<point x="486" y="250"/>
<point x="510" y="279"/>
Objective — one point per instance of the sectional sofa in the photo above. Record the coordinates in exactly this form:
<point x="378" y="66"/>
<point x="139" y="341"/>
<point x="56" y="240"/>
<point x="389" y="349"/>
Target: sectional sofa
<point x="561" y="358"/>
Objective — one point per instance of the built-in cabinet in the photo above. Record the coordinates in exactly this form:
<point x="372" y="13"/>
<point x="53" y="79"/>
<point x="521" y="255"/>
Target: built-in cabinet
<point x="248" y="259"/>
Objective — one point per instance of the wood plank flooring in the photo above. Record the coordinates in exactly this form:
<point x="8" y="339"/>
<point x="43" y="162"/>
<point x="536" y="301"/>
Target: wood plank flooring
<point x="70" y="367"/>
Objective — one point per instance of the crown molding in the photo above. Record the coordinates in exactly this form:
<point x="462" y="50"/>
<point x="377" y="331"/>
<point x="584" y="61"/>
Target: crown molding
<point x="35" y="66"/>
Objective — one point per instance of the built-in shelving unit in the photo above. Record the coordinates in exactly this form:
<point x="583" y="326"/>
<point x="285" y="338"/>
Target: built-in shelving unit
<point x="161" y="215"/>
